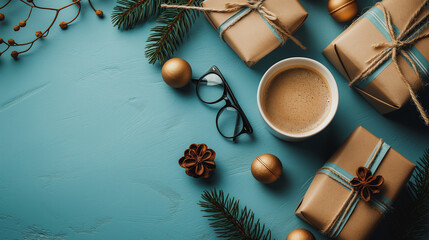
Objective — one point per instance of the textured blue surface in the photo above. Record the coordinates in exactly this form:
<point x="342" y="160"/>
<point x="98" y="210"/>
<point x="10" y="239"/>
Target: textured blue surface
<point x="90" y="135"/>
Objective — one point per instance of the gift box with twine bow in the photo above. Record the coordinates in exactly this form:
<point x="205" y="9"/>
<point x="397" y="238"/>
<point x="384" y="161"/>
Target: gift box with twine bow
<point x="384" y="54"/>
<point x="354" y="189"/>
<point x="254" y="28"/>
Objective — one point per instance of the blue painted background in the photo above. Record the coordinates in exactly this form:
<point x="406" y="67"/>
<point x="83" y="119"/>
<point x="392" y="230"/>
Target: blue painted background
<point x="90" y="135"/>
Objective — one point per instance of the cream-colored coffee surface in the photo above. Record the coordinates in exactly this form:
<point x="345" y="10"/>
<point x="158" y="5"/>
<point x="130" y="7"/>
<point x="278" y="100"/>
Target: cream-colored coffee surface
<point x="296" y="99"/>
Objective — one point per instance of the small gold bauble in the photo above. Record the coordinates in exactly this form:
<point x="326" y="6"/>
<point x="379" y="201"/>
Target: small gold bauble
<point x="266" y="168"/>
<point x="300" y="234"/>
<point x="343" y="10"/>
<point x="176" y="72"/>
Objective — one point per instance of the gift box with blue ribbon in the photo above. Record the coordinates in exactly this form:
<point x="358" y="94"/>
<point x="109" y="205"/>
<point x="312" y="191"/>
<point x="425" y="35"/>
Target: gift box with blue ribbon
<point x="365" y="53"/>
<point x="254" y="28"/>
<point x="352" y="191"/>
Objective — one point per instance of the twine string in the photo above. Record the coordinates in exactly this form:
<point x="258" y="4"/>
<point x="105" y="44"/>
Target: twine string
<point x="341" y="215"/>
<point x="254" y="5"/>
<point x="394" y="48"/>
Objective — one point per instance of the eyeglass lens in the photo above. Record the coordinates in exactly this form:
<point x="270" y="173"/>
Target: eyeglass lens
<point x="211" y="88"/>
<point x="229" y="122"/>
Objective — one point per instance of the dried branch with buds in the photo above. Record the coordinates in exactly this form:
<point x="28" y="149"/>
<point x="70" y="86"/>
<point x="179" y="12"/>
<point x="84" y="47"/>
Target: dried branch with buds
<point x="39" y="34"/>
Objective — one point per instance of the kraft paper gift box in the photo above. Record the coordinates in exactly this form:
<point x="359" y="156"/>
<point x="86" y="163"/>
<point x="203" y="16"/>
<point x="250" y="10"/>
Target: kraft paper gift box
<point x="252" y="37"/>
<point x="352" y="49"/>
<point x="330" y="203"/>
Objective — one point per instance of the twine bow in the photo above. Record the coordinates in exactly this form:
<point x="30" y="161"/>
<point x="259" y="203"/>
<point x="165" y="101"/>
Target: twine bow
<point x="254" y="5"/>
<point x="398" y="46"/>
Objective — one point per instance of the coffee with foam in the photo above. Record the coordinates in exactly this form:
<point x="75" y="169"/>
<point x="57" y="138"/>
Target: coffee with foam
<point x="296" y="99"/>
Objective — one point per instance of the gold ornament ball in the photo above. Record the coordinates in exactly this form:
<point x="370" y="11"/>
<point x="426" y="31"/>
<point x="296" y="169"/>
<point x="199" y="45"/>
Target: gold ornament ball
<point x="176" y="72"/>
<point x="300" y="234"/>
<point x="343" y="10"/>
<point x="266" y="168"/>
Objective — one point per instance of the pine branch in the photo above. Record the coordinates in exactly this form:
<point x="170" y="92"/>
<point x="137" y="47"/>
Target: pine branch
<point x="410" y="221"/>
<point x="128" y="13"/>
<point x="228" y="220"/>
<point x="173" y="26"/>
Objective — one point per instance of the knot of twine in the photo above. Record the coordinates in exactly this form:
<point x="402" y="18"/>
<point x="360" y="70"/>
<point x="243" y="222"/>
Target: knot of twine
<point x="394" y="48"/>
<point x="253" y="5"/>
<point x="340" y="217"/>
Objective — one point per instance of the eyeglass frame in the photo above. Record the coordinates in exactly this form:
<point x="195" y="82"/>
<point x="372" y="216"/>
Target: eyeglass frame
<point x="247" y="128"/>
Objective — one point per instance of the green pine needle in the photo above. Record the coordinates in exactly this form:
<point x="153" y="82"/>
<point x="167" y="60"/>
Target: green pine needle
<point x="128" y="13"/>
<point x="410" y="221"/>
<point x="172" y="27"/>
<point x="228" y="220"/>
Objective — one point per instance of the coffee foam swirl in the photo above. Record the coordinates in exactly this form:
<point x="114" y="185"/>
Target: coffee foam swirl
<point x="296" y="99"/>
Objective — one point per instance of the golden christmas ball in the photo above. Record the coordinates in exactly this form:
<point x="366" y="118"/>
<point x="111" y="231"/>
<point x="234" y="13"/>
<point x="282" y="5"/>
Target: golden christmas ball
<point x="343" y="10"/>
<point x="300" y="234"/>
<point x="266" y="168"/>
<point x="176" y="72"/>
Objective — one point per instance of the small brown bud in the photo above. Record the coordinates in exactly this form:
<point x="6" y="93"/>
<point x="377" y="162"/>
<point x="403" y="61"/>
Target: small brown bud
<point x="39" y="34"/>
<point x="14" y="54"/>
<point x="63" y="25"/>
<point x="22" y="23"/>
<point x="1" y="16"/>
<point x="1" y="40"/>
<point x="16" y="28"/>
<point x="99" y="13"/>
<point x="11" y="41"/>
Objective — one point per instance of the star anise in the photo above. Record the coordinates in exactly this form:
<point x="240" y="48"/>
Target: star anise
<point x="366" y="184"/>
<point x="198" y="160"/>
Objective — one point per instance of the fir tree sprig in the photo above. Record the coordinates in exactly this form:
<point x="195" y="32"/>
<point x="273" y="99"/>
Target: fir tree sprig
<point x="229" y="220"/>
<point x="410" y="221"/>
<point x="128" y="13"/>
<point x="173" y="26"/>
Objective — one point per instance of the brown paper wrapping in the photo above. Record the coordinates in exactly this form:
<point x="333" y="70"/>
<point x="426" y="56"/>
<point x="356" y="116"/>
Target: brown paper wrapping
<point x="325" y="196"/>
<point x="251" y="38"/>
<point x="350" y="51"/>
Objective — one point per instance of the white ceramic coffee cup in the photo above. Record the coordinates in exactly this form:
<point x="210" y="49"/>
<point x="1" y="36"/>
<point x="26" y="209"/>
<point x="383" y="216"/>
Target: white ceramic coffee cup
<point x="331" y="84"/>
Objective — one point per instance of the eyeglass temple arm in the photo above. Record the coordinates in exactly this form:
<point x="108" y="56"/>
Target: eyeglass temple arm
<point x="245" y="120"/>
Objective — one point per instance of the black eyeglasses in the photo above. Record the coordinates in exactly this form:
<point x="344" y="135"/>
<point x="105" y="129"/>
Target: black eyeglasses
<point x="231" y="121"/>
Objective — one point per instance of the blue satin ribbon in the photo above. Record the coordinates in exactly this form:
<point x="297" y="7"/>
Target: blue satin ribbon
<point x="376" y="17"/>
<point x="343" y="178"/>
<point x="240" y="13"/>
